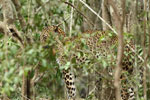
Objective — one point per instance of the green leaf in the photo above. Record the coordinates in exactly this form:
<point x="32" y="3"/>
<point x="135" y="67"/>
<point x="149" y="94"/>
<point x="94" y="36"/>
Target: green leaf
<point x="44" y="62"/>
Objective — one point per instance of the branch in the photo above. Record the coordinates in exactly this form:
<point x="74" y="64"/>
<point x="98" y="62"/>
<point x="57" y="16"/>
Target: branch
<point x="119" y="27"/>
<point x="116" y="12"/>
<point x="11" y="31"/>
<point x="16" y="34"/>
<point x="144" y="53"/>
<point x="98" y="16"/>
<point x="88" y="20"/>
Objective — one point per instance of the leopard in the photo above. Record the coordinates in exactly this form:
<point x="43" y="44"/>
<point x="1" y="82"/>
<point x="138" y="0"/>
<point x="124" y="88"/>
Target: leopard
<point x="68" y="75"/>
<point x="88" y="49"/>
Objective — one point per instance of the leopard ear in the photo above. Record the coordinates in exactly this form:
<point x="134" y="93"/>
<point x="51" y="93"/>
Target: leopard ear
<point x="58" y="30"/>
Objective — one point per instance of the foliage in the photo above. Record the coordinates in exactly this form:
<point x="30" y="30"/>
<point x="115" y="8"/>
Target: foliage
<point x="16" y="61"/>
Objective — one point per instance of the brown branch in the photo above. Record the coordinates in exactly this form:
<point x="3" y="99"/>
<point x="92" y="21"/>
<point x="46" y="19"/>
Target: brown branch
<point x="15" y="34"/>
<point x="119" y="28"/>
<point x="116" y="12"/>
<point x="144" y="52"/>
<point x="105" y="14"/>
<point x="88" y="20"/>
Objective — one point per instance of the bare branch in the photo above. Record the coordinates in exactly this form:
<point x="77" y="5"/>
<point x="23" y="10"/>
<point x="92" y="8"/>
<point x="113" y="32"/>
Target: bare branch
<point x="98" y="16"/>
<point x="105" y="14"/>
<point x="116" y="12"/>
<point x="144" y="52"/>
<point x="88" y="20"/>
<point x="119" y="27"/>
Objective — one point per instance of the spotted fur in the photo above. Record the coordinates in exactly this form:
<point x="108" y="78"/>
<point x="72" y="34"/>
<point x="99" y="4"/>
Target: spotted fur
<point x="87" y="50"/>
<point x="68" y="75"/>
<point x="99" y="45"/>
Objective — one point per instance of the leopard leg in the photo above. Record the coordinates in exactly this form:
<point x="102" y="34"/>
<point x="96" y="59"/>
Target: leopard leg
<point x="131" y="94"/>
<point x="127" y="94"/>
<point x="69" y="81"/>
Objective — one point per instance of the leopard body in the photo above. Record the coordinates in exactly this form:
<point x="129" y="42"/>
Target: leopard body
<point x="88" y="49"/>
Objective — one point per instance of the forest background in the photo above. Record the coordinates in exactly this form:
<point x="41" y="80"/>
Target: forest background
<point x="29" y="17"/>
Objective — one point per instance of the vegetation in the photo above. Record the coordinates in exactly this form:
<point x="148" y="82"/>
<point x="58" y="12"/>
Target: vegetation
<point x="29" y="69"/>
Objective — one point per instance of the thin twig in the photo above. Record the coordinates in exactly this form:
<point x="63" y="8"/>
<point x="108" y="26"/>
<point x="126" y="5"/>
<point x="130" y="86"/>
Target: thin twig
<point x="80" y="13"/>
<point x="98" y="15"/>
<point x="38" y="9"/>
<point x="97" y="19"/>
<point x="63" y="21"/>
